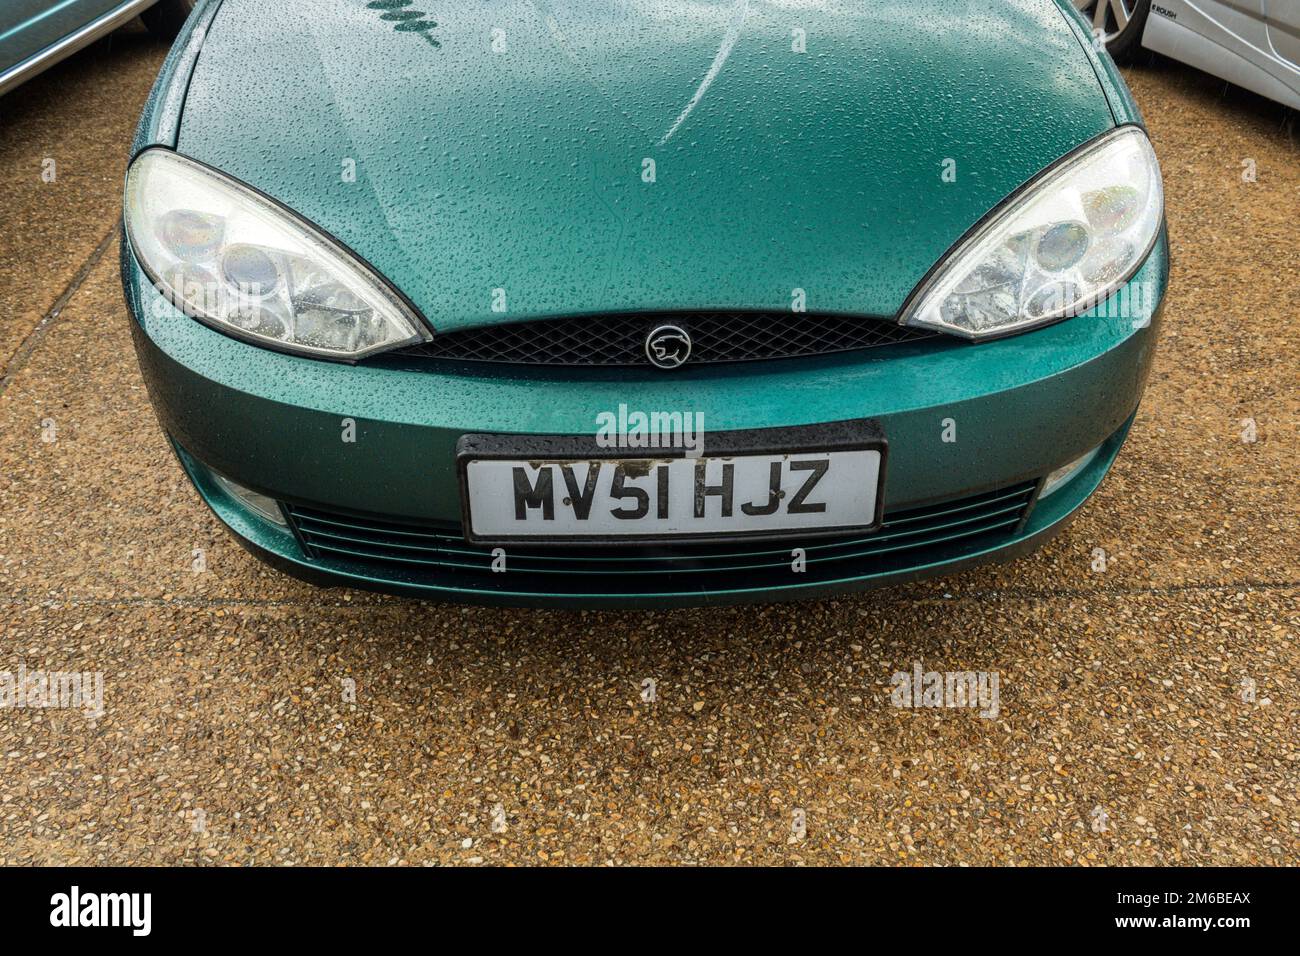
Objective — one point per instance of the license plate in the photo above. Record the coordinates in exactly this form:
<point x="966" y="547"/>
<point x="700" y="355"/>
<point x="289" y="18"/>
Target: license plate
<point x="521" y="488"/>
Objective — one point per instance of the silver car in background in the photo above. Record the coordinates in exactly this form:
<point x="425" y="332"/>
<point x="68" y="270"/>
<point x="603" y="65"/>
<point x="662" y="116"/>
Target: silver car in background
<point x="36" y="34"/>
<point x="1252" y="43"/>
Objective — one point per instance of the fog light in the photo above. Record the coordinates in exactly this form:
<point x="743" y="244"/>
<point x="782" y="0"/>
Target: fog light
<point x="260" y="505"/>
<point x="1063" y="475"/>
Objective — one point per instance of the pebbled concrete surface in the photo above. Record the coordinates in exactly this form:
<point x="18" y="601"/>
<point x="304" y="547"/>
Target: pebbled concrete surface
<point x="65" y="137"/>
<point x="1148" y="712"/>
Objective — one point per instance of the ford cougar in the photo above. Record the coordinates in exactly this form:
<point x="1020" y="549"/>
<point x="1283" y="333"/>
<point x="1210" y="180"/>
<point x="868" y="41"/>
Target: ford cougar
<point x="642" y="302"/>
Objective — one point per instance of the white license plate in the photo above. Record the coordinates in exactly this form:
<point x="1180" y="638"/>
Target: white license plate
<point x="627" y="498"/>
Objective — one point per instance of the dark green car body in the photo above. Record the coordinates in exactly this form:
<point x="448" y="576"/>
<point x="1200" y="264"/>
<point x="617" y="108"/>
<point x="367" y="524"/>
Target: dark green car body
<point x="505" y="147"/>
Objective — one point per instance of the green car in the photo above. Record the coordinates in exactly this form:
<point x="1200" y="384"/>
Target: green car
<point x="652" y="303"/>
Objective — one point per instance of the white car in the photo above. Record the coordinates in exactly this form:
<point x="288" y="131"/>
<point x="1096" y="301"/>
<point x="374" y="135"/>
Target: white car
<point x="1252" y="43"/>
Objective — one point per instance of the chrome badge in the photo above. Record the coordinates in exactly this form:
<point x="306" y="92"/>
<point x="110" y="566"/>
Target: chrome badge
<point x="667" y="346"/>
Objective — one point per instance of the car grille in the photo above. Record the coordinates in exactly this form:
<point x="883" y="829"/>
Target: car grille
<point x="417" y="553"/>
<point x="620" y="339"/>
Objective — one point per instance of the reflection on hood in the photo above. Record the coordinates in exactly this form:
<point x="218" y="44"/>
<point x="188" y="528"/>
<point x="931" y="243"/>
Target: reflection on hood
<point x="642" y="155"/>
<point x="404" y="19"/>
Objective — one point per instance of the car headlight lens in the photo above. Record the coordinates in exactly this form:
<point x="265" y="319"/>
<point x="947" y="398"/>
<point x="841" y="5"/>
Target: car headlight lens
<point x="230" y="257"/>
<point x="1059" y="247"/>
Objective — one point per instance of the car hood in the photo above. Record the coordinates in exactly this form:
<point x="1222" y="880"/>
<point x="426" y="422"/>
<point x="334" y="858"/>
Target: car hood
<point x="499" y="161"/>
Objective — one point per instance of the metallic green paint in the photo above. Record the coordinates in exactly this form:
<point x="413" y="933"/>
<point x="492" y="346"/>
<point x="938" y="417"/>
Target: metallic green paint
<point x="1024" y="405"/>
<point x="522" y="170"/>
<point x="161" y="118"/>
<point x="1117" y="93"/>
<point x="279" y="548"/>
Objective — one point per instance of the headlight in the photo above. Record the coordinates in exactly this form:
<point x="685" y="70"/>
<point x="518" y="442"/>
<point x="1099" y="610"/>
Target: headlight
<point x="230" y="257"/>
<point x="1058" y="247"/>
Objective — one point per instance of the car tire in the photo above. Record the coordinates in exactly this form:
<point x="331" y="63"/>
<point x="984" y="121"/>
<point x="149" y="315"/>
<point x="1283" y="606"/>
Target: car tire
<point x="165" y="19"/>
<point x="1122" y="43"/>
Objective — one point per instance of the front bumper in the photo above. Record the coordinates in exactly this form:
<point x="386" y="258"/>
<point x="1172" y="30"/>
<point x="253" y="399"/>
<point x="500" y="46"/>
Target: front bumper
<point x="1018" y="408"/>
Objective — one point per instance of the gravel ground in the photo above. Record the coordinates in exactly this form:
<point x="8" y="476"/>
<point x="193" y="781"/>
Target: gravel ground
<point x="1148" y="711"/>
